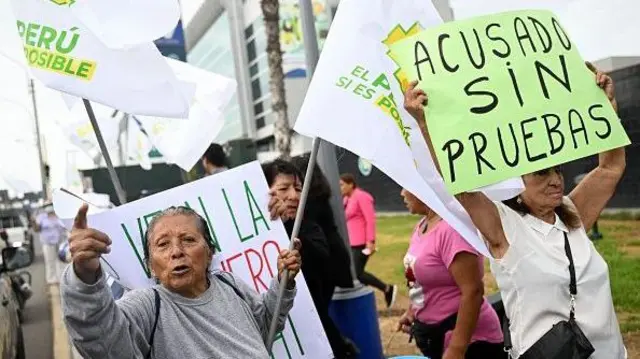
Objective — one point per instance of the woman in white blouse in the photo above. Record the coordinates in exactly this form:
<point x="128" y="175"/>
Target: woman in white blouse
<point x="525" y="236"/>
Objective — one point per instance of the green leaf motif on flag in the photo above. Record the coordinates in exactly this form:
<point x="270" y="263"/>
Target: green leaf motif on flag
<point x="64" y="2"/>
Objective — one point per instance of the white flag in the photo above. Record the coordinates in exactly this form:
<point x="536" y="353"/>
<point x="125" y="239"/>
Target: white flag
<point x="355" y="101"/>
<point x="138" y="145"/>
<point x="126" y="23"/>
<point x="79" y="131"/>
<point x="64" y="54"/>
<point x="183" y="142"/>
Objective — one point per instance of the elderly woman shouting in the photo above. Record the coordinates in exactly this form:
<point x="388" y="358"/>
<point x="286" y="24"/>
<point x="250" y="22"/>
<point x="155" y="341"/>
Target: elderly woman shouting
<point x="554" y="283"/>
<point x="192" y="313"/>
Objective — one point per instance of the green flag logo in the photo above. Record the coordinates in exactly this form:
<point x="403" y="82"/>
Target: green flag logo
<point x="63" y="2"/>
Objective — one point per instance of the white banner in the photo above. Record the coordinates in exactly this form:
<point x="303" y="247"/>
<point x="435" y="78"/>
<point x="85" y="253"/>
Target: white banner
<point x="234" y="203"/>
<point x="64" y="54"/>
<point x="355" y="101"/>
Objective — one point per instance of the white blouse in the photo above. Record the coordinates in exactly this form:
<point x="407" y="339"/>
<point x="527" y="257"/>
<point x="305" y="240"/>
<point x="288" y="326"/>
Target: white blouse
<point x="533" y="277"/>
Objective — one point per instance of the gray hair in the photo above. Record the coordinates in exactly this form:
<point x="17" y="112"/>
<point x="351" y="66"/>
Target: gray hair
<point x="201" y="225"/>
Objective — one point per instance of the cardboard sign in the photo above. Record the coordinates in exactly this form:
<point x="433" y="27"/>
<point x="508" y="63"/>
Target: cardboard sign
<point x="247" y="242"/>
<point x="509" y="94"/>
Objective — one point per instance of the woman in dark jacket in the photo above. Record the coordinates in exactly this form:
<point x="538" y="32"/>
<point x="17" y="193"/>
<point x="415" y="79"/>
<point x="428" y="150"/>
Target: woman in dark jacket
<point x="285" y="183"/>
<point x="318" y="209"/>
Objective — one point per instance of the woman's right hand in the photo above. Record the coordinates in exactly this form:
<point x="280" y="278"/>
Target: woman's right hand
<point x="277" y="207"/>
<point x="406" y="321"/>
<point x="414" y="101"/>
<point x="86" y="246"/>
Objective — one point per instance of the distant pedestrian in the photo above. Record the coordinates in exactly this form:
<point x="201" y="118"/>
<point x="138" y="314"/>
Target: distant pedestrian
<point x="52" y="232"/>
<point x="361" y="225"/>
<point x="214" y="160"/>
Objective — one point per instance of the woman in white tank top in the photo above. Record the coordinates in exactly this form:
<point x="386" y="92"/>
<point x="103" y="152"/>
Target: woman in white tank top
<point x="525" y="236"/>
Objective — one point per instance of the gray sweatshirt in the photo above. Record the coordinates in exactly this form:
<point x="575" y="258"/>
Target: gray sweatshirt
<point x="217" y="325"/>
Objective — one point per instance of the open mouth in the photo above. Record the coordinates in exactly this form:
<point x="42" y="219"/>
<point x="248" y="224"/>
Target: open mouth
<point x="180" y="270"/>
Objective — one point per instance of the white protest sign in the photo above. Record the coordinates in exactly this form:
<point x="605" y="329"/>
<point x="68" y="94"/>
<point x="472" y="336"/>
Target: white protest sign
<point x="234" y="203"/>
<point x="355" y="101"/>
<point x="65" y="55"/>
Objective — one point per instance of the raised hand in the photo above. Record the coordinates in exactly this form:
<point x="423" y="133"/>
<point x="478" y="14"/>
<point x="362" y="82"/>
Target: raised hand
<point x="605" y="82"/>
<point x="415" y="100"/>
<point x="86" y="246"/>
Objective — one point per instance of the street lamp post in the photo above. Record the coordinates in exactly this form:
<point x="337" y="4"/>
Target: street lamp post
<point x="43" y="177"/>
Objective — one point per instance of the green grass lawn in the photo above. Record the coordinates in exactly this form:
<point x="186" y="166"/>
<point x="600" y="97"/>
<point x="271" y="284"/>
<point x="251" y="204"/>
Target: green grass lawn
<point x="620" y="248"/>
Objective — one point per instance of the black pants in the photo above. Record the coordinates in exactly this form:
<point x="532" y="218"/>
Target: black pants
<point x="333" y="333"/>
<point x="366" y="278"/>
<point x="321" y="291"/>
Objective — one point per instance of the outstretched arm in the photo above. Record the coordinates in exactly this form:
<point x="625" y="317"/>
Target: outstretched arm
<point x="592" y="193"/>
<point x="100" y="328"/>
<point x="97" y="326"/>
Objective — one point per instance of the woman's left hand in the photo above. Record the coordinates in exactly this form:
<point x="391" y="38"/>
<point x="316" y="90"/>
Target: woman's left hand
<point x="605" y="82"/>
<point x="291" y="261"/>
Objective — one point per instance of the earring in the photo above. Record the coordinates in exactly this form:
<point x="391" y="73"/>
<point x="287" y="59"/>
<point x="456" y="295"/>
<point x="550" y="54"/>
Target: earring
<point x="519" y="200"/>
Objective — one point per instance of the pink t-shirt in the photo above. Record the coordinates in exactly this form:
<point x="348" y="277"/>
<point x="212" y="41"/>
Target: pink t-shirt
<point x="433" y="291"/>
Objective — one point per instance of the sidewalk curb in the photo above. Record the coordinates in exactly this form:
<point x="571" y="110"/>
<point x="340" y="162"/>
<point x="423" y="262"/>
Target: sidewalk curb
<point x="61" y="347"/>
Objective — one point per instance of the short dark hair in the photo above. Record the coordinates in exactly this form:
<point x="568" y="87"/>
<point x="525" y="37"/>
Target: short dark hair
<point x="215" y="155"/>
<point x="319" y="184"/>
<point x="279" y="167"/>
<point x="349" y="179"/>
<point x="201" y="224"/>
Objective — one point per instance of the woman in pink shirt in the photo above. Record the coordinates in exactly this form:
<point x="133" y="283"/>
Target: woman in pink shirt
<point x="448" y="316"/>
<point x="361" y="225"/>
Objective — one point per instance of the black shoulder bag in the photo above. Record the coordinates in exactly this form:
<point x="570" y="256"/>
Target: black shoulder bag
<point x="565" y="340"/>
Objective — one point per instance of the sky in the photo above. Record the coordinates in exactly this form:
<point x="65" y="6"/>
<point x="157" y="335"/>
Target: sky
<point x="591" y="24"/>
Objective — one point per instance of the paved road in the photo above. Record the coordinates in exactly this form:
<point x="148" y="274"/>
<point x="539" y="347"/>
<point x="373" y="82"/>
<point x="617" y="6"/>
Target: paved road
<point x="37" y="327"/>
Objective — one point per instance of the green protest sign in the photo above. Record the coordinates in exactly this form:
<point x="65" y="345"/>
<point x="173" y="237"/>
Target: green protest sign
<point x="509" y="94"/>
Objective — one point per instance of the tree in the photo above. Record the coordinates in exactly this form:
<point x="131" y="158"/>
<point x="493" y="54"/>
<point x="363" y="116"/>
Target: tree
<point x="281" y="128"/>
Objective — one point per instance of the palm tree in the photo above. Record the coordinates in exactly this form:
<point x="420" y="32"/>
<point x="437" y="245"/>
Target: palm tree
<point x="281" y="128"/>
